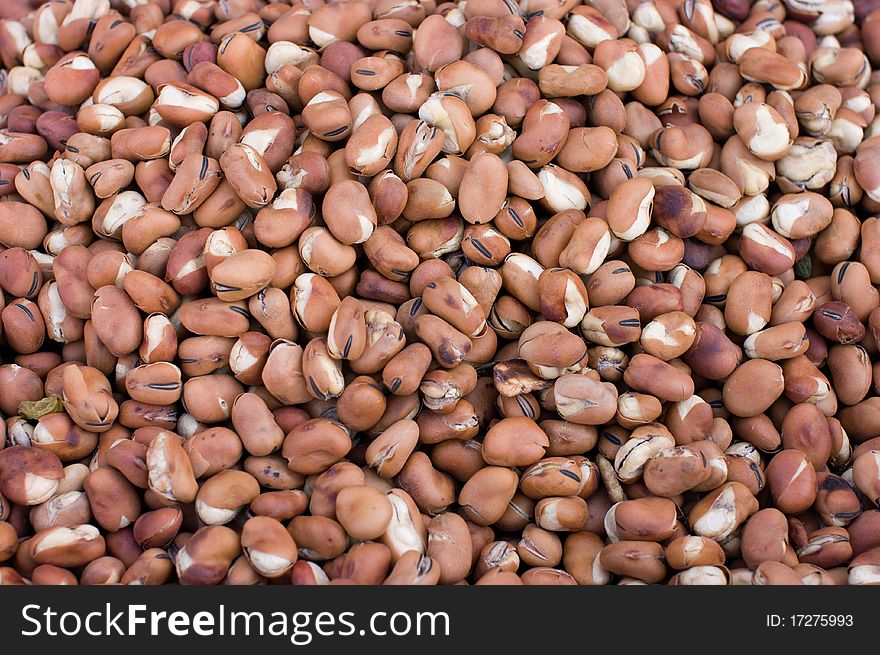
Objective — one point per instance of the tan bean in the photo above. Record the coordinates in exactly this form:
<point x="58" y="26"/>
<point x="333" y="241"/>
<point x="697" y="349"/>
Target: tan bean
<point x="363" y="511"/>
<point x="484" y="496"/>
<point x="640" y="559"/>
<point x="719" y="513"/>
<point x="30" y="475"/>
<point x="113" y="499"/>
<point x="207" y="556"/>
<point x="157" y="528"/>
<point x="67" y="547"/>
<point x="169" y="468"/>
<point x="269" y="548"/>
<point x="315" y="445"/>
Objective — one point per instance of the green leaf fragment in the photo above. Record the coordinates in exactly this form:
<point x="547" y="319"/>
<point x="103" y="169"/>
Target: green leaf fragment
<point x="34" y="409"/>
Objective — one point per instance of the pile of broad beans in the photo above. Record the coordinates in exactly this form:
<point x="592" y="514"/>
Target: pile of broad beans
<point x="408" y="292"/>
